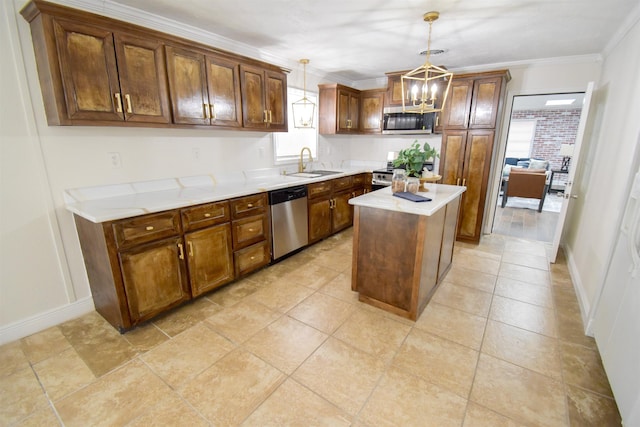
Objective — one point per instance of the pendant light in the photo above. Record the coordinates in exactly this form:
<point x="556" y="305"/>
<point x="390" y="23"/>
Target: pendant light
<point x="425" y="89"/>
<point x="304" y="109"/>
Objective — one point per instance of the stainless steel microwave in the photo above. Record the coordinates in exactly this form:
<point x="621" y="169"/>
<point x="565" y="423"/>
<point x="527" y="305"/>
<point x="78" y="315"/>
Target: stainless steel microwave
<point x="399" y="123"/>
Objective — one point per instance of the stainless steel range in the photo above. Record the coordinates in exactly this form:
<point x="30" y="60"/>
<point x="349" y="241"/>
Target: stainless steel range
<point x="382" y="177"/>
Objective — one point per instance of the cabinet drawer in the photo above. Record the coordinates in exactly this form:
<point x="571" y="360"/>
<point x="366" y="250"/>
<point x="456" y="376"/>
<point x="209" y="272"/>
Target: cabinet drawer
<point x="342" y="183"/>
<point x="319" y="189"/>
<point x="359" y="180"/>
<point x="142" y="229"/>
<point x="249" y="205"/>
<point x="248" y="231"/>
<point x="205" y="215"/>
<point x="251" y="258"/>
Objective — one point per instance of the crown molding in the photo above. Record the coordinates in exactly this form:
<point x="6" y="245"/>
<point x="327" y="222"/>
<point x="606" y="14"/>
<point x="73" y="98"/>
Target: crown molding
<point x="631" y="20"/>
<point x="526" y="63"/>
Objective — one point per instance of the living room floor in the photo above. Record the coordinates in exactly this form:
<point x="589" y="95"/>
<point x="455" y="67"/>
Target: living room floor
<point x="520" y="218"/>
<point x="500" y="343"/>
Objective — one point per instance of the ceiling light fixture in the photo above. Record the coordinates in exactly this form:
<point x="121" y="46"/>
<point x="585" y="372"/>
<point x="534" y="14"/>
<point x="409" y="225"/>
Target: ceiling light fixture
<point x="420" y="86"/>
<point x="552" y="102"/>
<point x="304" y="109"/>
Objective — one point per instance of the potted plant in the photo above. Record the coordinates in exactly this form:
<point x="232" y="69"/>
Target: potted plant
<point x="414" y="157"/>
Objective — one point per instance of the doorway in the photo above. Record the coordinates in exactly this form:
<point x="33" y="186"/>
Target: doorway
<point x="542" y="131"/>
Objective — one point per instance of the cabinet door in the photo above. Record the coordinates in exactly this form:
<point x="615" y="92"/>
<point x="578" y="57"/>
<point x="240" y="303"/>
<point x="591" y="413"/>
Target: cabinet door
<point x="143" y="79"/>
<point x="452" y="156"/>
<point x="223" y="82"/>
<point x="342" y="214"/>
<point x="394" y="90"/>
<point x="456" y="112"/>
<point x="371" y="112"/>
<point x="344" y="100"/>
<point x="477" y="163"/>
<point x="319" y="219"/>
<point x="354" y="113"/>
<point x="210" y="258"/>
<point x="254" y="111"/>
<point x="486" y="99"/>
<point x="155" y="278"/>
<point x="276" y="96"/>
<point x="188" y="86"/>
<point x="89" y="73"/>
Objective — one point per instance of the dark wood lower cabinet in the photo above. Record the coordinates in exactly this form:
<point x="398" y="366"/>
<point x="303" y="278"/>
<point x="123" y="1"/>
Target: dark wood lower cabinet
<point x="210" y="258"/>
<point x="142" y="266"/>
<point x="155" y="278"/>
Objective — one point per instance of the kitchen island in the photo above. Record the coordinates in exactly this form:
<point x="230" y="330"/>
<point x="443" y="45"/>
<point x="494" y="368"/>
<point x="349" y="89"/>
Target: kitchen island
<point x="402" y="250"/>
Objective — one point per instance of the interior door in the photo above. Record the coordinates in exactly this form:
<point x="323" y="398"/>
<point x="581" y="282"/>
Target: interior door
<point x="568" y="193"/>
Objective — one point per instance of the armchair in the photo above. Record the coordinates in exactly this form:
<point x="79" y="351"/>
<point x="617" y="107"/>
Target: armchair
<point x="529" y="183"/>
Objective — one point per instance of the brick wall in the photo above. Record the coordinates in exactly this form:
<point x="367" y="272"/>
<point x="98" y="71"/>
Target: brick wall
<point x="553" y="128"/>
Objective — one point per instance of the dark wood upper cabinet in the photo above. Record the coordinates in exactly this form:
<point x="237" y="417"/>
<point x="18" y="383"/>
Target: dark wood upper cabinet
<point x="188" y="86"/>
<point x="371" y="106"/>
<point x="143" y="79"/>
<point x="486" y="99"/>
<point x="99" y="71"/>
<point x="89" y="73"/>
<point x="223" y="84"/>
<point x="205" y="89"/>
<point x="456" y="112"/>
<point x="264" y="98"/>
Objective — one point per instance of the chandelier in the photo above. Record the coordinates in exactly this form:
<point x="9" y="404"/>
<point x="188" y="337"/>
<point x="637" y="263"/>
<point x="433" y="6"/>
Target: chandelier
<point x="425" y="89"/>
<point x="304" y="109"/>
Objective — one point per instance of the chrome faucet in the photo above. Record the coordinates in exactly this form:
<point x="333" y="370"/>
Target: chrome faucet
<point x="302" y="166"/>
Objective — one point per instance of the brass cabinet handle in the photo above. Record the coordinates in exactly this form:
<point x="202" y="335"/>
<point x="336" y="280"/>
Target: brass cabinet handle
<point x="266" y="120"/>
<point x="190" y="248"/>
<point x="464" y="182"/>
<point x="249" y="205"/>
<point x="206" y="110"/>
<point x="149" y="227"/>
<point x="118" y="102"/>
<point x="437" y="119"/>
<point x="180" y="251"/>
<point x="252" y="230"/>
<point x="270" y="117"/>
<point x="212" y="111"/>
<point x="127" y="100"/>
<point x="207" y="215"/>
<point x="458" y="181"/>
<point x="348" y="123"/>
<point x="252" y="258"/>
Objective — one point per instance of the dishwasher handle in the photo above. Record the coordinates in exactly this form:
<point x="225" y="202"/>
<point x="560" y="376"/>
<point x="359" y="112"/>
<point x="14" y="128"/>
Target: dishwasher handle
<point x="287" y="194"/>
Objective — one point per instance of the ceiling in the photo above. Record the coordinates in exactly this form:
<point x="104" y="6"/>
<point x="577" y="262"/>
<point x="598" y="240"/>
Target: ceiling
<point x="362" y="39"/>
<point x="539" y="102"/>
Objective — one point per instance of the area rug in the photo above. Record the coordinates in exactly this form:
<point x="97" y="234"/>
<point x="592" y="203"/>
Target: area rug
<point x="552" y="203"/>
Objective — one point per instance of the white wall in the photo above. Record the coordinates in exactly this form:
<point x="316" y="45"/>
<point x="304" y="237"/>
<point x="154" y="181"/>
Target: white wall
<point x="597" y="212"/>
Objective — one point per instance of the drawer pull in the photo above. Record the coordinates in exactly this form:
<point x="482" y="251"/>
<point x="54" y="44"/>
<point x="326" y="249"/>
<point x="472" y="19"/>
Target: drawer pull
<point x="251" y="230"/>
<point x="149" y="228"/>
<point x="127" y="99"/>
<point x="252" y="258"/>
<point x="207" y="215"/>
<point x="180" y="251"/>
<point x="190" y="248"/>
<point x="249" y="205"/>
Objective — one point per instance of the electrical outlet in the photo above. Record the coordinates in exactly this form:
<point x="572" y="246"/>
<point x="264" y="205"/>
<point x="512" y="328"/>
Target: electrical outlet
<point x="196" y="153"/>
<point x="114" y="159"/>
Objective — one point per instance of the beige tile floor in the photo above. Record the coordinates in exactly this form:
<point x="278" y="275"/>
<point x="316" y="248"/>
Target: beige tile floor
<point x="500" y="344"/>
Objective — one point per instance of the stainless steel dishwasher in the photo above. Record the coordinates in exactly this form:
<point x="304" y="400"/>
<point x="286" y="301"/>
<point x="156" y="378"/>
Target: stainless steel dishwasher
<point x="289" y="220"/>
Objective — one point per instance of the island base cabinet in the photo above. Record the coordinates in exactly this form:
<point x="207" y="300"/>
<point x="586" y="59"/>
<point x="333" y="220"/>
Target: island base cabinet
<point x="418" y="251"/>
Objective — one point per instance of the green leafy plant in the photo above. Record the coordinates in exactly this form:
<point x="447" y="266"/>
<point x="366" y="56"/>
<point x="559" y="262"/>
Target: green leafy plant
<point x="413" y="158"/>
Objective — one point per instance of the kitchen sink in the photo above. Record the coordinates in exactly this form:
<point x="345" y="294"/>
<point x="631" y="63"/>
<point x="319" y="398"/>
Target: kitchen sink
<point x="305" y="174"/>
<point x="324" y="172"/>
<point x="314" y="173"/>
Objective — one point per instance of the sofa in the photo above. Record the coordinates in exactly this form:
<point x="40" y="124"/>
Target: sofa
<point x="528" y="183"/>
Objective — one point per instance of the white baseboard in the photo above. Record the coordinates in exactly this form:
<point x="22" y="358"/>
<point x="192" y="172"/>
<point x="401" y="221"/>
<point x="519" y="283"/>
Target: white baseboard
<point x="39" y="322"/>
<point x="581" y="295"/>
